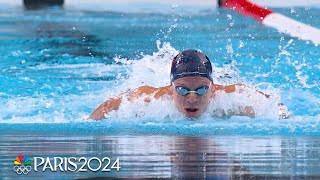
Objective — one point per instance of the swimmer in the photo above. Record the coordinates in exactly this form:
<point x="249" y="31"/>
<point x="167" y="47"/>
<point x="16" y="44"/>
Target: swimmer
<point x="191" y="89"/>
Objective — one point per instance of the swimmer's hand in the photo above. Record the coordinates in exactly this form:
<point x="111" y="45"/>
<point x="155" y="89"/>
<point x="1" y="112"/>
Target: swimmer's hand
<point x="241" y="111"/>
<point x="244" y="111"/>
<point x="247" y="111"/>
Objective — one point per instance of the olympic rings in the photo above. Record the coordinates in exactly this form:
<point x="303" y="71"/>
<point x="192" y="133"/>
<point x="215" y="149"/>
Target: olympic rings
<point x="22" y="169"/>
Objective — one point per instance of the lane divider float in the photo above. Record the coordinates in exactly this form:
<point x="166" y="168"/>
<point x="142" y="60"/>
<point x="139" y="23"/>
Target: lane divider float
<point x="269" y="18"/>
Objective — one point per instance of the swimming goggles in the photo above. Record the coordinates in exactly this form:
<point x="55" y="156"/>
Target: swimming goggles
<point x="200" y="91"/>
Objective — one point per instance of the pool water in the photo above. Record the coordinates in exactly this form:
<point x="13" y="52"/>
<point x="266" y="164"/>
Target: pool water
<point x="58" y="65"/>
<point x="214" y="157"/>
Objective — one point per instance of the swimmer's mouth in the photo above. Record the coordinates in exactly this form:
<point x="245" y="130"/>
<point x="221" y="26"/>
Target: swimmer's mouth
<point x="191" y="109"/>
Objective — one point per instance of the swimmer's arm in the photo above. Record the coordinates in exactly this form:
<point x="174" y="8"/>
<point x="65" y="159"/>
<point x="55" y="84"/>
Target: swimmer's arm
<point x="242" y="111"/>
<point x="241" y="87"/>
<point x="114" y="103"/>
<point x="248" y="110"/>
<point x="105" y="108"/>
<point x="283" y="111"/>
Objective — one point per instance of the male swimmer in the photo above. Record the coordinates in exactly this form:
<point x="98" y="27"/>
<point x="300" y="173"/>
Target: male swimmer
<point x="191" y="89"/>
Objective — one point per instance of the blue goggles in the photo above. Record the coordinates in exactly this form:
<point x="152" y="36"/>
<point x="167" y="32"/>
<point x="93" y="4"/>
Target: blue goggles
<point x="200" y="91"/>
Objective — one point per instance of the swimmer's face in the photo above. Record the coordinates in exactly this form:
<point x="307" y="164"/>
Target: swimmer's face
<point x="192" y="105"/>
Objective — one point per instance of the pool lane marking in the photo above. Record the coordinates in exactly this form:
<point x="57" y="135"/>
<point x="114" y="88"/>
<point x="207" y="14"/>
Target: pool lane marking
<point x="269" y="18"/>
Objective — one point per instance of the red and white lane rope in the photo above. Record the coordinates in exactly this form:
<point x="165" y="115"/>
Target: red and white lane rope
<point x="269" y="18"/>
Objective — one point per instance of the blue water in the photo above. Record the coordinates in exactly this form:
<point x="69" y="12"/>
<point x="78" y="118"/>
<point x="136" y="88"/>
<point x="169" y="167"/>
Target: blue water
<point x="58" y="65"/>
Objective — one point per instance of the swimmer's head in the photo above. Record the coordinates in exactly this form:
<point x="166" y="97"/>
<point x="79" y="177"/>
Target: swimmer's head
<point x="190" y="63"/>
<point x="191" y="82"/>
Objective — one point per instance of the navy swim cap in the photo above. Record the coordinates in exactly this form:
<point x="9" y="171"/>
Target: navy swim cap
<point x="190" y="63"/>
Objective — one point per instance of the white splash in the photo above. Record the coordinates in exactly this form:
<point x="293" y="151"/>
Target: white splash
<point x="152" y="70"/>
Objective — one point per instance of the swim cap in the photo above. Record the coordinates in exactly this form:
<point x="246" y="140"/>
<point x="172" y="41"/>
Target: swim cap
<point x="190" y="63"/>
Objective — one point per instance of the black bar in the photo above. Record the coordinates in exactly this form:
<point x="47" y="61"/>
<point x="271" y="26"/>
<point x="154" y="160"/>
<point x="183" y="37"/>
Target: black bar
<point x="40" y="4"/>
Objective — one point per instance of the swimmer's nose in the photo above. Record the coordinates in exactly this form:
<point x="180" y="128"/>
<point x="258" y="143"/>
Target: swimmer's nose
<point x="192" y="98"/>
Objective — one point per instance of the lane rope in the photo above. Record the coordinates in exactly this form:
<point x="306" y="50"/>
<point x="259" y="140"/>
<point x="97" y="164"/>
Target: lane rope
<point x="273" y="19"/>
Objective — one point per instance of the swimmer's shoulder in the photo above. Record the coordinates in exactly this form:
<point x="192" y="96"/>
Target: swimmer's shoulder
<point x="228" y="88"/>
<point x="222" y="88"/>
<point x="145" y="90"/>
<point x="165" y="90"/>
<point x="157" y="91"/>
